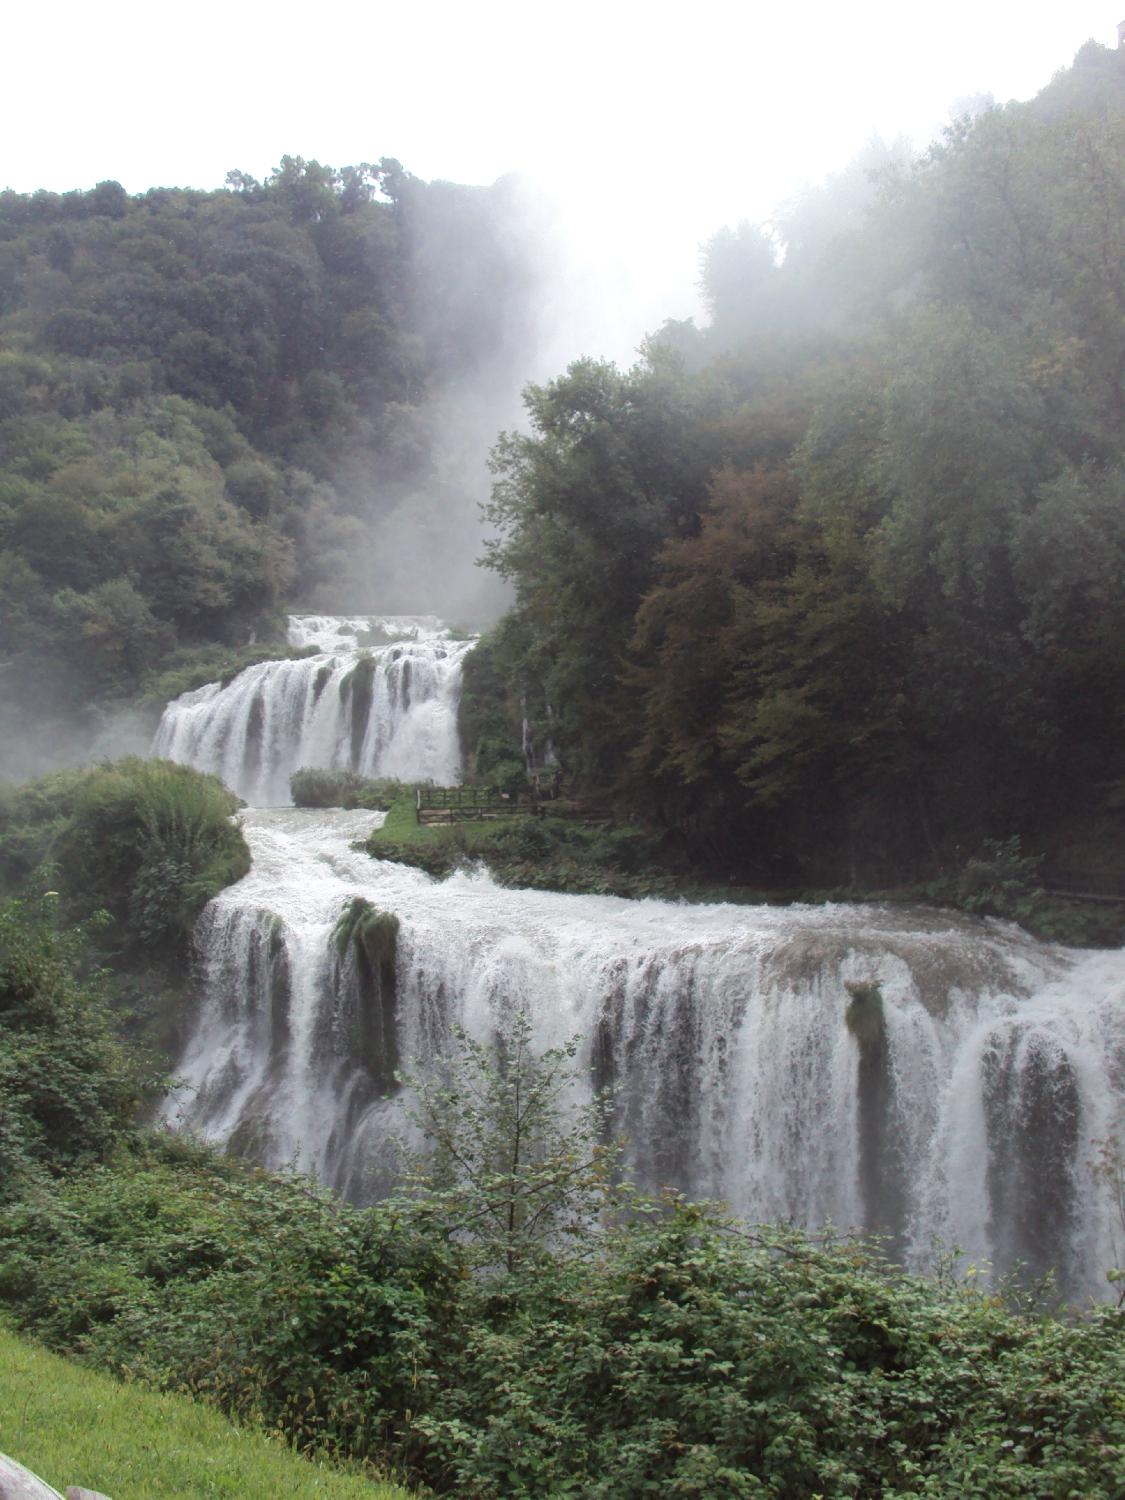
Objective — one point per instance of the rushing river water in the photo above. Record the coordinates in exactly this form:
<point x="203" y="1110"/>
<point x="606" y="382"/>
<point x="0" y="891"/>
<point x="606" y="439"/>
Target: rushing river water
<point x="918" y="1072"/>
<point x="384" y="710"/>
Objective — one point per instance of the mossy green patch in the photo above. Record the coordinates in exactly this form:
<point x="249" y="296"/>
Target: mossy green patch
<point x="864" y="1015"/>
<point x="370" y="938"/>
<point x="374" y="932"/>
<point x="359" y="686"/>
<point x="193" y="667"/>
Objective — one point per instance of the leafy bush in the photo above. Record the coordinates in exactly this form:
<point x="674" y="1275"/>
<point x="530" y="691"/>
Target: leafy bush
<point x="511" y="1163"/>
<point x="498" y="767"/>
<point x="148" y="841"/>
<point x="312" y="787"/>
<point x="151" y="842"/>
<point x="674" y="1353"/>
<point x="1000" y="881"/>
<point x="519" y="1326"/>
<point x="31" y="818"/>
<point x="551" y="854"/>
<point x="68" y="1089"/>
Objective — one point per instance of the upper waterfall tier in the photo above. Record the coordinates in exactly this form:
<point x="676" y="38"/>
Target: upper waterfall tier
<point x="382" y="709"/>
<point x="910" y="1070"/>
<point x="350" y="632"/>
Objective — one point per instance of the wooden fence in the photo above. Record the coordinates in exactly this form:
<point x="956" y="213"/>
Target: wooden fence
<point x="546" y="793"/>
<point x="459" y="804"/>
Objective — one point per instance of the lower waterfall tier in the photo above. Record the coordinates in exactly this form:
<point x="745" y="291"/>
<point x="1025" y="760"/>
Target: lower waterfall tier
<point x="909" y="1071"/>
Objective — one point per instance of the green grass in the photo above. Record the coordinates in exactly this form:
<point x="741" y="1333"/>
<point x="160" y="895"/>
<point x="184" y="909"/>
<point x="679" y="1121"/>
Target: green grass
<point x="402" y="826"/>
<point x="546" y="853"/>
<point x="73" y="1426"/>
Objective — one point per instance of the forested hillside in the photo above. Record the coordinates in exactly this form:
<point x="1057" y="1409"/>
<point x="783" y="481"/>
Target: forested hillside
<point x="211" y="401"/>
<point x="833" y="586"/>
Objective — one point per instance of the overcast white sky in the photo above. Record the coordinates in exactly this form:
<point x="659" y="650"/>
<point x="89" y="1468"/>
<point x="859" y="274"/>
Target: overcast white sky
<point x="652" y="123"/>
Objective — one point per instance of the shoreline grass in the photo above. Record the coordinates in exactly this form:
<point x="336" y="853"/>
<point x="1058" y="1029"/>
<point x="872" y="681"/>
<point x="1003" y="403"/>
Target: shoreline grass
<point x="72" y="1425"/>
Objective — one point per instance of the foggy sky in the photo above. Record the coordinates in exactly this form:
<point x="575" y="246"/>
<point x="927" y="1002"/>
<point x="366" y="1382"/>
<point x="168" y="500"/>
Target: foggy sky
<point x="653" y="124"/>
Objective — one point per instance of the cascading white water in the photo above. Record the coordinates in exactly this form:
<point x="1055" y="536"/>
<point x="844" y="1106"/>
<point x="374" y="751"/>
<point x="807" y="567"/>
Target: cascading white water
<point x="386" y="709"/>
<point x="962" y="1102"/>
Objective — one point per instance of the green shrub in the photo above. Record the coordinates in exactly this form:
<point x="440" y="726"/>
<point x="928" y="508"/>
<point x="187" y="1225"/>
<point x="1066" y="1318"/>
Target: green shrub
<point x="504" y="771"/>
<point x="520" y="1326"/>
<point x="311" y="787"/>
<point x="674" y="1353"/>
<point x="31" y="818"/>
<point x="535" y="853"/>
<point x="1000" y="881"/>
<point x="68" y="1088"/>
<point x="150" y="842"/>
<point x="192" y="667"/>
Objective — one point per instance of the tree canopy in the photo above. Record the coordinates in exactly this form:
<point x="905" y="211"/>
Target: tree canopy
<point x="832" y="577"/>
<point x="210" y="400"/>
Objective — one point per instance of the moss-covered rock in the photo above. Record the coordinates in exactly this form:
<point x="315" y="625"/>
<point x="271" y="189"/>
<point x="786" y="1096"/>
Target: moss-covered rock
<point x="864" y="1015"/>
<point x="359" y="687"/>
<point x="367" y="944"/>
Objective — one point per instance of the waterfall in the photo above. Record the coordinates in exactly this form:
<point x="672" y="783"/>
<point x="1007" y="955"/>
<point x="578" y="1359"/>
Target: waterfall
<point x="917" y="1072"/>
<point x="388" y="708"/>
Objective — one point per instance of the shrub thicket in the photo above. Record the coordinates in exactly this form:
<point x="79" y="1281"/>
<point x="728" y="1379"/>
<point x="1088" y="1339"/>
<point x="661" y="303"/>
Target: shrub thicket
<point x="68" y="1088"/>
<point x="662" y="1351"/>
<point x="674" y="1354"/>
<point x="547" y="853"/>
<point x="313" y="787"/>
<point x="148" y="841"/>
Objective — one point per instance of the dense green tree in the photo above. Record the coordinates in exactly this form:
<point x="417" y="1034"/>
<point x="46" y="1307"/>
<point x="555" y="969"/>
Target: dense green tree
<point x="209" y="400"/>
<point x="615" y="463"/>
<point x="886" y="630"/>
<point x="68" y="1089"/>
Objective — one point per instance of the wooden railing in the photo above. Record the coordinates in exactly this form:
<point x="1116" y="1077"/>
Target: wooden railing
<point x="1100" y="888"/>
<point x="456" y="804"/>
<point x="452" y="804"/>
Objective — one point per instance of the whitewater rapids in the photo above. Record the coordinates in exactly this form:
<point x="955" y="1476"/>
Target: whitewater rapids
<point x="965" y="1110"/>
<point x="388" y="709"/>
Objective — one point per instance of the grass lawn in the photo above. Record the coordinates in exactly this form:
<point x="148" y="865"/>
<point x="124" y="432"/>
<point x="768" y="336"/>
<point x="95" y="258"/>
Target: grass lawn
<point x="401" y="826"/>
<point x="73" y="1426"/>
<point x="574" y="856"/>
